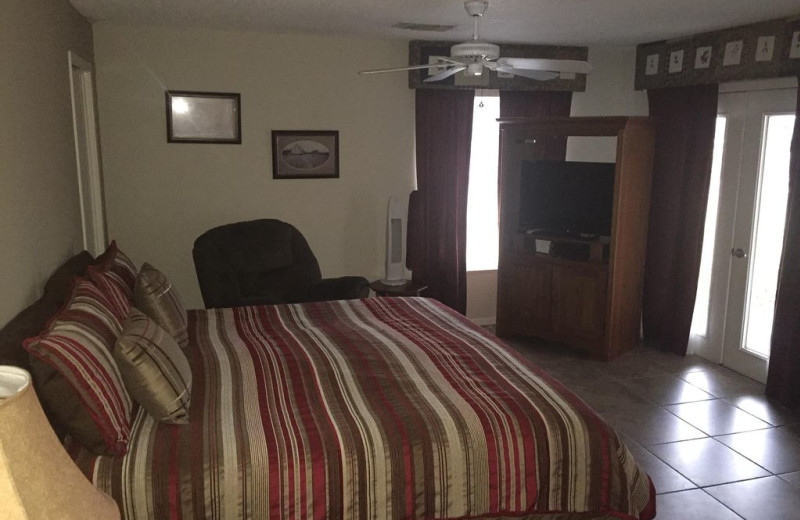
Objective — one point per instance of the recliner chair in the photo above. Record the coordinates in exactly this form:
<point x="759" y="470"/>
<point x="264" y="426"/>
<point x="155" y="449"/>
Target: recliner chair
<point x="262" y="262"/>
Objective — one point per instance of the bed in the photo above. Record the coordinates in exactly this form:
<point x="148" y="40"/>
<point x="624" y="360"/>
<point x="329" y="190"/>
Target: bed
<point x="373" y="408"/>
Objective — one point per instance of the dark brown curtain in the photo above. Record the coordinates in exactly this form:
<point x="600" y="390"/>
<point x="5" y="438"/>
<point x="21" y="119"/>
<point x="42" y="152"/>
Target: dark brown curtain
<point x="437" y="211"/>
<point x="685" y="119"/>
<point x="535" y="103"/>
<point x="783" y="380"/>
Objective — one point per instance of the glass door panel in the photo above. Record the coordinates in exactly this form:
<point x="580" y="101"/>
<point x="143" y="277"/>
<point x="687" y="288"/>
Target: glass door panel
<point x="767" y="242"/>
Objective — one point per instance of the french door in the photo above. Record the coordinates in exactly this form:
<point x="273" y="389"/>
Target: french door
<point x="744" y="232"/>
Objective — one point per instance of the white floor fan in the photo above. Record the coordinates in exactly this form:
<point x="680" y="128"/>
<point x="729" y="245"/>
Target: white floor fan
<point x="473" y="56"/>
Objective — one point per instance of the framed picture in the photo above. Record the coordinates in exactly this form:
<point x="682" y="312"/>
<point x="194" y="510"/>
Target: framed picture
<point x="203" y="117"/>
<point x="305" y="154"/>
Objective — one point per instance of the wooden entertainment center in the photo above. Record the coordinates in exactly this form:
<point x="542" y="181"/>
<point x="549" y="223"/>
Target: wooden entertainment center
<point x="589" y="293"/>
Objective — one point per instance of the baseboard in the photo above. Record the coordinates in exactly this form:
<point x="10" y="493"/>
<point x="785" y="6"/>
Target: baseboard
<point x="491" y="320"/>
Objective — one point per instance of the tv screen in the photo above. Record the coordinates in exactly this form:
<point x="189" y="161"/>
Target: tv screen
<point x="566" y="198"/>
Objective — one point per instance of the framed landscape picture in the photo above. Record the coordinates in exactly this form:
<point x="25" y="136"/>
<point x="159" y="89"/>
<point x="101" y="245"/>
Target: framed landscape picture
<point x="305" y="154"/>
<point x="203" y="117"/>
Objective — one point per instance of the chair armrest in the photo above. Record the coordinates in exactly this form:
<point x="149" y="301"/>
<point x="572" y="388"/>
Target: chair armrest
<point x="344" y="288"/>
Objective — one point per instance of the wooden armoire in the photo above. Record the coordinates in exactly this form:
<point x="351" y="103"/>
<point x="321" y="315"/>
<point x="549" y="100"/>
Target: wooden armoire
<point x="590" y="299"/>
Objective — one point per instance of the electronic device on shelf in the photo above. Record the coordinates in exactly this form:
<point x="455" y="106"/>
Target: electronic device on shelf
<point x="580" y="248"/>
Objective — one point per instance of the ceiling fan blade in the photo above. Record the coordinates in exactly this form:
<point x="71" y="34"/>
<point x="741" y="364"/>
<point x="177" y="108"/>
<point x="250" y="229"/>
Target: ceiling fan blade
<point x="448" y="60"/>
<point x="445" y="74"/>
<point x="541" y="75"/>
<point x="579" y="67"/>
<point x="400" y="69"/>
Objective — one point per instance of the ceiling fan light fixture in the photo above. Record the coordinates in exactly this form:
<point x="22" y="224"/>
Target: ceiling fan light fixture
<point x="474" y="69"/>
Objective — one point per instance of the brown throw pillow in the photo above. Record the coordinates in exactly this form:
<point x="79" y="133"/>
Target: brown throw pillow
<point x="33" y="320"/>
<point x="154" y="369"/>
<point x="154" y="295"/>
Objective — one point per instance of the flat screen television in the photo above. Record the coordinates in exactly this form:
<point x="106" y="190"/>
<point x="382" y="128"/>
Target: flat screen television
<point x="566" y="198"/>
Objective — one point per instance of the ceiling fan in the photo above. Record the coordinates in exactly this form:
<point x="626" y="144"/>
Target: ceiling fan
<point x="473" y="56"/>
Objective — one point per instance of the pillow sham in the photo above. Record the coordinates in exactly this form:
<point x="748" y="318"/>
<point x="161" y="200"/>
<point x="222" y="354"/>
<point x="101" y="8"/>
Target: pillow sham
<point x="154" y="295"/>
<point x="154" y="369"/>
<point x="118" y="295"/>
<point x="118" y="267"/>
<point x="75" y="352"/>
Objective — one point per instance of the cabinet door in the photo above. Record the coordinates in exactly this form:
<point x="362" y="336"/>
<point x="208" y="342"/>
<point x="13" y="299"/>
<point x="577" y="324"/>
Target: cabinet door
<point x="579" y="301"/>
<point x="524" y="298"/>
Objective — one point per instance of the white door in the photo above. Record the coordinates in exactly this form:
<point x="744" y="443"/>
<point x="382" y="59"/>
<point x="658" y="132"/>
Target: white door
<point x="87" y="155"/>
<point x="744" y="228"/>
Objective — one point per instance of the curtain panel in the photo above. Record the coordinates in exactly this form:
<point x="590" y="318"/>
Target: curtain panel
<point x="685" y="120"/>
<point x="437" y="210"/>
<point x="783" y="379"/>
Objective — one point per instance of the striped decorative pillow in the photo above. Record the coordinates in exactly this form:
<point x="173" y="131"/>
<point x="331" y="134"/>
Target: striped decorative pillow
<point x="154" y="295"/>
<point x="117" y="294"/>
<point x="77" y="348"/>
<point x="118" y="267"/>
<point x="154" y="369"/>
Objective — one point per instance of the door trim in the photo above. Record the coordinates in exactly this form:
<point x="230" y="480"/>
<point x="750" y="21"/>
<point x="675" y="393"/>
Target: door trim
<point x="95" y="188"/>
<point x="758" y="84"/>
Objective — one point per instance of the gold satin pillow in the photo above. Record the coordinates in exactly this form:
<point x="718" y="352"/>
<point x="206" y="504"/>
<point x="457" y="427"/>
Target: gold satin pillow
<point x="155" y="371"/>
<point x="155" y="296"/>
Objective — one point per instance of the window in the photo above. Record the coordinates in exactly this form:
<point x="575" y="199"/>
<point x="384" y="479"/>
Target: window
<point x="768" y="233"/>
<point x="702" y="303"/>
<point x="482" y="228"/>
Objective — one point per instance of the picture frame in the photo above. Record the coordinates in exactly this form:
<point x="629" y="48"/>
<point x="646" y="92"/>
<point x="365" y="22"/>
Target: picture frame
<point x="203" y="117"/>
<point x="305" y="154"/>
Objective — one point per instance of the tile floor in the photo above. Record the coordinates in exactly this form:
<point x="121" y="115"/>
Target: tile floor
<point x="714" y="446"/>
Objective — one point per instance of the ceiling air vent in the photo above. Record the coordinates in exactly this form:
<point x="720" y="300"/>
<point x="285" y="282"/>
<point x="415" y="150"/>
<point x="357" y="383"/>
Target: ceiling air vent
<point x="429" y="27"/>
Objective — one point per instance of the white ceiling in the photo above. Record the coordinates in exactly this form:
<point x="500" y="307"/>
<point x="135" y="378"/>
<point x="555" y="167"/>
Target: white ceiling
<point x="567" y="22"/>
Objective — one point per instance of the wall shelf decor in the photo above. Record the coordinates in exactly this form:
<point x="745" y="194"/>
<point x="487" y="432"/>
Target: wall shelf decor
<point x="761" y="50"/>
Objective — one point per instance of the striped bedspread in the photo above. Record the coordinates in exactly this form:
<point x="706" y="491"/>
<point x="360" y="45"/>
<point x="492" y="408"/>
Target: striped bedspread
<point x="381" y="408"/>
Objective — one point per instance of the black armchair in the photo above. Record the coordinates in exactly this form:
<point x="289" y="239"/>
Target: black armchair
<point x="264" y="262"/>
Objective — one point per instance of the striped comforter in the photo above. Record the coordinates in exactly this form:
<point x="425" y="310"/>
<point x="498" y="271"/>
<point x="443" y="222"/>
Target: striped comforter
<point x="380" y="408"/>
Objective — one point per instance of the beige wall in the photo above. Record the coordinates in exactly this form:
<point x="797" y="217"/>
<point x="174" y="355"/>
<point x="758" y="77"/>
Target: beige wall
<point x="609" y="92"/>
<point x="161" y="196"/>
<point x="609" y="88"/>
<point x="482" y="297"/>
<point x="39" y="209"/>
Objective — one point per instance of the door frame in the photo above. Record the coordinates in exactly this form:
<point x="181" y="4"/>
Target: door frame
<point x="84" y="92"/>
